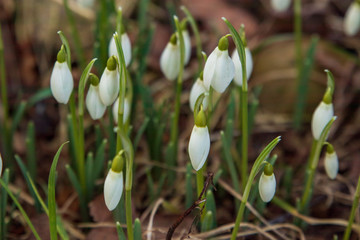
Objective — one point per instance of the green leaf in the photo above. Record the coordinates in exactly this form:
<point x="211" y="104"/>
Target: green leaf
<point x="140" y="132"/>
<point x="99" y="159"/>
<point x="22" y="211"/>
<point x="39" y="96"/>
<point x="30" y="150"/>
<point x="51" y="195"/>
<point x="18" y="116"/>
<point x="82" y="85"/>
<point x="137" y="229"/>
<point x="189" y="192"/>
<point x="207" y="222"/>
<point x="121" y="234"/>
<point x="210" y="205"/>
<point x="3" y="203"/>
<point x="89" y="168"/>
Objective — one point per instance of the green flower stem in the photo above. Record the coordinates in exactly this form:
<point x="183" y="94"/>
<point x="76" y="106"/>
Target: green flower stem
<point x="197" y="37"/>
<point x="75" y="34"/>
<point x="200" y="186"/>
<point x="312" y="165"/>
<point x="255" y="169"/>
<point x="123" y="140"/>
<point x="244" y="134"/>
<point x="174" y="127"/>
<point x="353" y="212"/>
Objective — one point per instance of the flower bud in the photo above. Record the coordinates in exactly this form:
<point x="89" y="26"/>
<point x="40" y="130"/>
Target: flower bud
<point x="322" y="115"/>
<point x="280" y="5"/>
<point x="267" y="183"/>
<point x="199" y="143"/>
<point x="127" y="107"/>
<point x="331" y="162"/>
<point x="109" y="83"/>
<point x="238" y="67"/>
<point x="352" y="19"/>
<point x="61" y="80"/>
<point x="219" y="69"/>
<point x="170" y="59"/>
<point x="126" y="47"/>
<point x="197" y="89"/>
<point x="114" y="183"/>
<point x="93" y="102"/>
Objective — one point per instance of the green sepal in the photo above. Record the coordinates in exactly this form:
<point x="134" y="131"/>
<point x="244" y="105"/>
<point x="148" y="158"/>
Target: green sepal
<point x="93" y="79"/>
<point x="118" y="162"/>
<point x="327" y="96"/>
<point x="268" y="169"/>
<point x="61" y="56"/>
<point x="329" y="148"/>
<point x="111" y="63"/>
<point x="223" y="44"/>
<point x="200" y="119"/>
<point x="173" y="39"/>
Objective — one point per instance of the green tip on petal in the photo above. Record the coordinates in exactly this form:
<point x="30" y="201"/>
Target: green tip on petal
<point x="268" y="169"/>
<point x="61" y="56"/>
<point x="93" y="79"/>
<point x="330" y="148"/>
<point x="111" y="63"/>
<point x="327" y="96"/>
<point x="173" y="39"/>
<point x="223" y="44"/>
<point x="200" y="120"/>
<point x="118" y="163"/>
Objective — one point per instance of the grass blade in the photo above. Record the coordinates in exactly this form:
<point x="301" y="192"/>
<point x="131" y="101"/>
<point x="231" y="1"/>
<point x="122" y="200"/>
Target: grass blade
<point x="121" y="234"/>
<point x="3" y="202"/>
<point x="137" y="229"/>
<point x="51" y="195"/>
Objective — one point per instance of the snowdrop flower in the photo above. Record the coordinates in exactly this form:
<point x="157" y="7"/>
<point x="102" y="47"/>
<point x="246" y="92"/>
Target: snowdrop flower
<point x="126" y="47"/>
<point x="109" y="82"/>
<point x="115" y="110"/>
<point x="280" y="5"/>
<point x="331" y="162"/>
<point x="219" y="69"/>
<point x="197" y="89"/>
<point x="61" y="80"/>
<point x="267" y="183"/>
<point x="170" y="59"/>
<point x="187" y="45"/>
<point x="114" y="183"/>
<point x="322" y="115"/>
<point x="352" y="19"/>
<point x="238" y="67"/>
<point x="93" y="102"/>
<point x="199" y="143"/>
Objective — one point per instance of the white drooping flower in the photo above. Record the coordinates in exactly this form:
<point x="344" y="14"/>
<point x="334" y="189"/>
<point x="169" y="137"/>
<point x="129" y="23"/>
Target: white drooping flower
<point x="322" y="115"/>
<point x="114" y="183"/>
<point x="93" y="102"/>
<point x="280" y="5"/>
<point x="170" y="59"/>
<point x="115" y="110"/>
<point x="199" y="143"/>
<point x="187" y="45"/>
<point x="238" y="67"/>
<point x="267" y="184"/>
<point x="219" y="69"/>
<point x="331" y="162"/>
<point x="197" y="89"/>
<point x="109" y="83"/>
<point x="352" y="19"/>
<point x="126" y="47"/>
<point x="61" y="80"/>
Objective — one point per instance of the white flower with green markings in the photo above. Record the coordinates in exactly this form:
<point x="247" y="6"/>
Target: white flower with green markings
<point x="219" y="69"/>
<point x="114" y="183"/>
<point x="238" y="66"/>
<point x="352" y="19"/>
<point x="197" y="89"/>
<point x="109" y="82"/>
<point x="127" y="107"/>
<point x="187" y="45"/>
<point x="331" y="162"/>
<point x="170" y="59"/>
<point x="126" y="47"/>
<point x="61" y="80"/>
<point x="93" y="102"/>
<point x="199" y="143"/>
<point x="267" y="183"/>
<point x="322" y="115"/>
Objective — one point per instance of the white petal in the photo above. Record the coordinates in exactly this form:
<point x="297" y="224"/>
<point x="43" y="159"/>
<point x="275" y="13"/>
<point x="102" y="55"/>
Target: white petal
<point x="127" y="108"/>
<point x="238" y="68"/>
<point x="86" y="3"/>
<point x="352" y="19"/>
<point x="61" y="82"/>
<point x="280" y="5"/>
<point x="224" y="72"/>
<point x="170" y="61"/>
<point x="187" y="43"/>
<point x="209" y="68"/>
<point x="199" y="146"/>
<point x="1" y="165"/>
<point x="331" y="164"/>
<point x="267" y="187"/>
<point x="109" y="86"/>
<point x="113" y="188"/>
<point x="126" y="46"/>
<point x="322" y="115"/>
<point x="94" y="104"/>
<point x="197" y="89"/>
